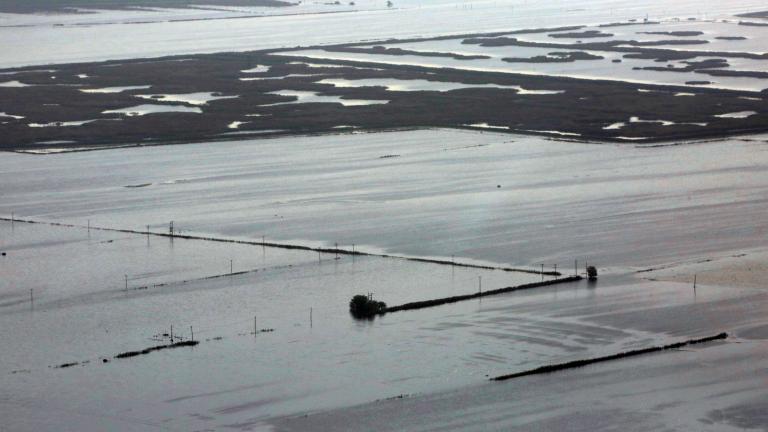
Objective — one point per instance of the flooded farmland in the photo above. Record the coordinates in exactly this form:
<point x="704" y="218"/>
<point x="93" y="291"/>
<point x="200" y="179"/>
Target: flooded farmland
<point x="256" y="215"/>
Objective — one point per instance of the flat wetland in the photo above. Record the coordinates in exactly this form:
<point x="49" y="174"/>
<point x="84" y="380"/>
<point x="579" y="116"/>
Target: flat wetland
<point x="536" y="81"/>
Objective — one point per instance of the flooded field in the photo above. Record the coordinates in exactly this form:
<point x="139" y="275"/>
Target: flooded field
<point x="309" y="355"/>
<point x="506" y="199"/>
<point x="180" y="237"/>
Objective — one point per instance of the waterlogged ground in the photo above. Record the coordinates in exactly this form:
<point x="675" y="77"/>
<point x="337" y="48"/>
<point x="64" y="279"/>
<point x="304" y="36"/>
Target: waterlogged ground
<point x="237" y="380"/>
<point x="482" y="197"/>
<point x="514" y="200"/>
<point x="608" y="64"/>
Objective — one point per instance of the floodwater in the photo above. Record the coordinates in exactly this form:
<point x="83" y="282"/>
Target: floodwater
<point x="144" y="109"/>
<point x="509" y="199"/>
<point x="318" y="357"/>
<point x="47" y="43"/>
<point x="606" y="68"/>
<point x="79" y="295"/>
<point x="392" y="84"/>
<point x="199" y="98"/>
<point x="314" y="97"/>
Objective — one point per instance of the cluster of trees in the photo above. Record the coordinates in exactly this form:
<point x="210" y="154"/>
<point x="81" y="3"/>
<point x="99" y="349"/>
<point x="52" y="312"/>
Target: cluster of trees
<point x="362" y="306"/>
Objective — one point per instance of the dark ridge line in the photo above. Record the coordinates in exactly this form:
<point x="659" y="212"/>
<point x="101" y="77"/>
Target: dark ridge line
<point x="287" y="246"/>
<point x="454" y="299"/>
<point x="128" y="354"/>
<point x="582" y="363"/>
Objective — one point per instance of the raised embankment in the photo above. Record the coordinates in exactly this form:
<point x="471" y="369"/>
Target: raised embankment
<point x="581" y="363"/>
<point x="454" y="299"/>
<point x="336" y="250"/>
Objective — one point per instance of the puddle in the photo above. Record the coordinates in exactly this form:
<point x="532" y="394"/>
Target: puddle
<point x="573" y="134"/>
<point x="236" y="124"/>
<point x="276" y="77"/>
<point x="624" y="138"/>
<point x="620" y="125"/>
<point x="61" y="124"/>
<point x="424" y="85"/>
<point x="252" y="132"/>
<point x="6" y="115"/>
<point x="319" y="65"/>
<point x="312" y="97"/>
<point x="737" y="115"/>
<point x="615" y="126"/>
<point x="115" y="89"/>
<point x="13" y="83"/>
<point x="199" y="98"/>
<point x="486" y="126"/>
<point x="140" y="110"/>
<point x="257" y="69"/>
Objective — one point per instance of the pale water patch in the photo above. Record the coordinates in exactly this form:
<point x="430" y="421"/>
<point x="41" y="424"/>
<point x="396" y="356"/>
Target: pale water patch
<point x="486" y="126"/>
<point x="236" y="124"/>
<point x="6" y="115"/>
<point x="392" y="84"/>
<point x="145" y="109"/>
<point x="312" y="97"/>
<point x="620" y="125"/>
<point x="256" y="69"/>
<point x="198" y="98"/>
<point x="663" y="122"/>
<point x="252" y="132"/>
<point x="615" y="126"/>
<point x="276" y="77"/>
<point x="13" y="83"/>
<point x="552" y="132"/>
<point x="737" y="115"/>
<point x="317" y="65"/>
<point x="624" y="138"/>
<point x="115" y="89"/>
<point x="60" y="124"/>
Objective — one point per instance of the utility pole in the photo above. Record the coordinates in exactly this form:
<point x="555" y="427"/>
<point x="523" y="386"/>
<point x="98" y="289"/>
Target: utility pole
<point x="126" y="282"/>
<point x="480" y="284"/>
